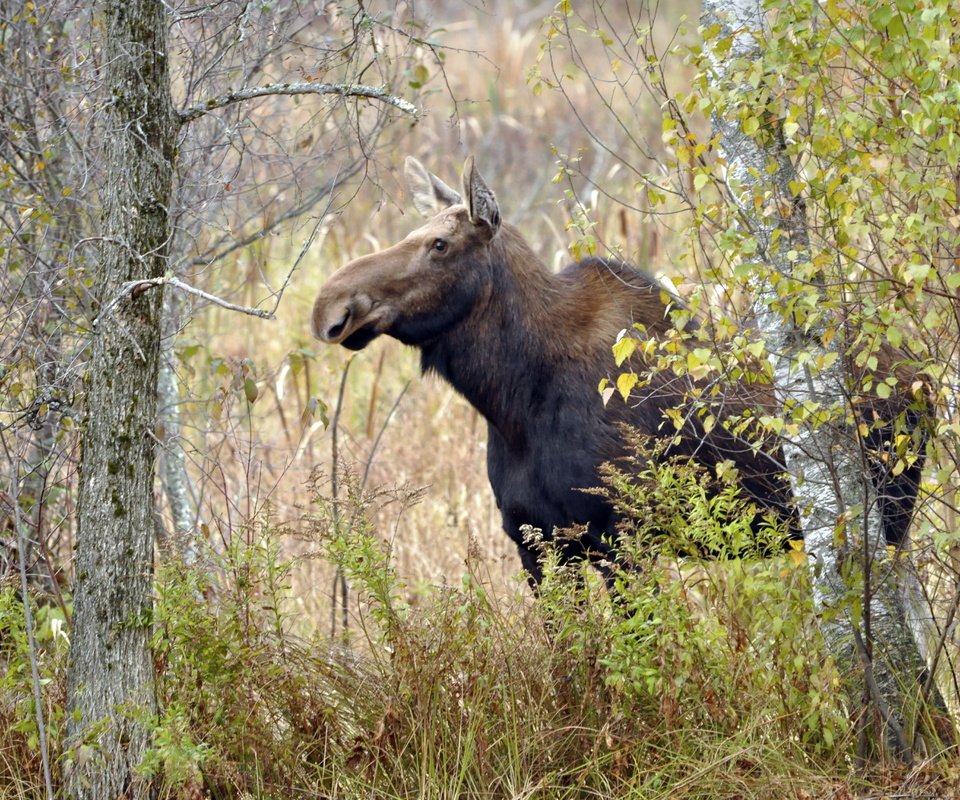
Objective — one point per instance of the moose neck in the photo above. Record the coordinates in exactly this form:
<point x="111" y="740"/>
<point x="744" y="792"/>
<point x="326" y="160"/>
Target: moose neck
<point x="507" y="355"/>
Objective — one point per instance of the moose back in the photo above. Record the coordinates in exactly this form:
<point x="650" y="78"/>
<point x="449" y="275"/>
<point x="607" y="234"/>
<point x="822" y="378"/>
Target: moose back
<point x="526" y="347"/>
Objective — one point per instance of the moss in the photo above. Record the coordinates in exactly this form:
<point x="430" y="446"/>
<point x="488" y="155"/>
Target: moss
<point x="118" y="507"/>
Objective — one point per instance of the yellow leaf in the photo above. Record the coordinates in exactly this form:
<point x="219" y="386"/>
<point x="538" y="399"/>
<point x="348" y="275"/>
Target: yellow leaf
<point x="623" y="349"/>
<point x="625" y="382"/>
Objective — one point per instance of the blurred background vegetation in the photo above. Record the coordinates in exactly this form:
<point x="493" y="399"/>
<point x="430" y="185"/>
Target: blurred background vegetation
<point x="531" y="145"/>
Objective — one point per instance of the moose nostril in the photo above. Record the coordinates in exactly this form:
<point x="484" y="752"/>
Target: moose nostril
<point x="338" y="327"/>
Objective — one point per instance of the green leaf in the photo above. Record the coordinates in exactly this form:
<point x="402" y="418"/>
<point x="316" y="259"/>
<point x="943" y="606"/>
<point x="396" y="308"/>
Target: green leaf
<point x="828" y="359"/>
<point x="315" y="408"/>
<point x="918" y="272"/>
<point x="881" y="17"/>
<point x="250" y="390"/>
<point x="420" y="76"/>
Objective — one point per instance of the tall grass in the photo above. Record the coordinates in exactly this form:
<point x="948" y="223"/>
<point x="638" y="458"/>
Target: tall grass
<point x="691" y="684"/>
<point x="691" y="681"/>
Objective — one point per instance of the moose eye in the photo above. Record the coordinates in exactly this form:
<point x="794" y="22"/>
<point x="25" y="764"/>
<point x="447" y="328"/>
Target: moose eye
<point x="439" y="245"/>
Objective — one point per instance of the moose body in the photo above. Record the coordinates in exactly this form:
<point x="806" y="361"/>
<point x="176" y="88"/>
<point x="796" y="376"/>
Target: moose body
<point x="526" y="348"/>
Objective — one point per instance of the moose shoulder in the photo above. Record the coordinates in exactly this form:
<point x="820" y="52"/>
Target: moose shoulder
<point x="526" y="348"/>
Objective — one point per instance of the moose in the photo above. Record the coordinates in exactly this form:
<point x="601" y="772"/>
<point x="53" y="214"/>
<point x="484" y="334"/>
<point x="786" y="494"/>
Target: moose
<point x="526" y="347"/>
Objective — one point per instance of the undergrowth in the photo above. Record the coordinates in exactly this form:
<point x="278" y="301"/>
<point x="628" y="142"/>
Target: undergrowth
<point x="21" y="773"/>
<point x="689" y="682"/>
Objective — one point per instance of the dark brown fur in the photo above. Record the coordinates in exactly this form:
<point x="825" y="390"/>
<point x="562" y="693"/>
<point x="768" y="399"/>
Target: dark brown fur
<point x="527" y="347"/>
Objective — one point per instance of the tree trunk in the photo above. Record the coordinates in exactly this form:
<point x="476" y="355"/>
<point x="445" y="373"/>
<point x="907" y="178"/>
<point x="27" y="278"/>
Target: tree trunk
<point x="875" y="650"/>
<point x="111" y="681"/>
<point x="175" y="478"/>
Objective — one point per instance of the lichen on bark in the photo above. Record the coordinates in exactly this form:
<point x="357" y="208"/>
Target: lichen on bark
<point x="110" y="680"/>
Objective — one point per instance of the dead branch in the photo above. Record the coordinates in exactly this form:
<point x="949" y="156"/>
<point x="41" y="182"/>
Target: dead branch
<point x="274" y="89"/>
<point x="137" y="287"/>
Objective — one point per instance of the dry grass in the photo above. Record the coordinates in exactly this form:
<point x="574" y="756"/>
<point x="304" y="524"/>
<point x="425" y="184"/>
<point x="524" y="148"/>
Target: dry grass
<point x="433" y="439"/>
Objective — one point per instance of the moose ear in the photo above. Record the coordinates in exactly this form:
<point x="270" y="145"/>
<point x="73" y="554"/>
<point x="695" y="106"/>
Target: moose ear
<point x="430" y="195"/>
<point x="481" y="201"/>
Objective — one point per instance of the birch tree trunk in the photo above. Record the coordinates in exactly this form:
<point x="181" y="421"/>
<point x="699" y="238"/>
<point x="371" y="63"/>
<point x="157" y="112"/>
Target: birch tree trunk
<point x="862" y="613"/>
<point x="111" y="681"/>
<point x="175" y="479"/>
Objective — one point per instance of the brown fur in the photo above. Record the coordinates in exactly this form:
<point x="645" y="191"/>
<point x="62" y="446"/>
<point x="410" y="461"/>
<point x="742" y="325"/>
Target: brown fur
<point x="527" y="347"/>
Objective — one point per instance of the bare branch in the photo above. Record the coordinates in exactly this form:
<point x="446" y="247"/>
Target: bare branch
<point x="274" y="89"/>
<point x="168" y="280"/>
<point x="213" y="254"/>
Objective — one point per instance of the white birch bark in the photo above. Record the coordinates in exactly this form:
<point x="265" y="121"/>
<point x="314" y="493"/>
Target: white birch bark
<point x="875" y="651"/>
<point x="177" y="485"/>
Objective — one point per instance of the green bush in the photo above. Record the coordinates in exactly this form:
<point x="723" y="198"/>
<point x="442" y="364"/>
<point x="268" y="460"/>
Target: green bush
<point x="687" y="670"/>
<point x="245" y="706"/>
<point x="693" y="681"/>
<point x="21" y="773"/>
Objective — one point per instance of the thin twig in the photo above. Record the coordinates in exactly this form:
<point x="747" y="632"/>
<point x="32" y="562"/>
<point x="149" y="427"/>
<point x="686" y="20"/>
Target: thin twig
<point x="905" y="752"/>
<point x="339" y="579"/>
<point x="210" y="257"/>
<point x="376" y="442"/>
<point x="308" y="242"/>
<point x="274" y="89"/>
<point x="176" y="283"/>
